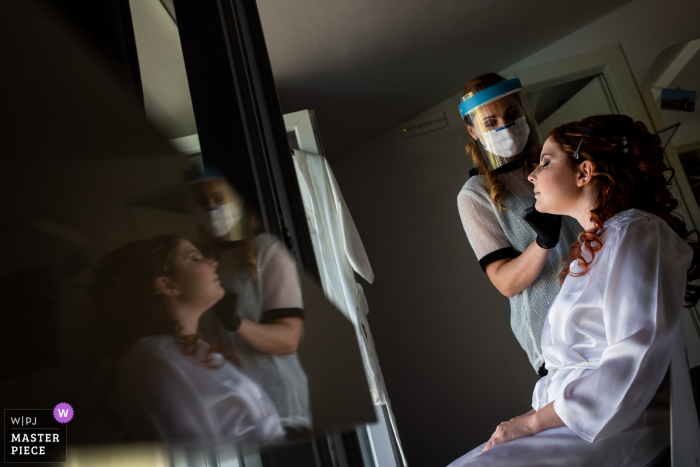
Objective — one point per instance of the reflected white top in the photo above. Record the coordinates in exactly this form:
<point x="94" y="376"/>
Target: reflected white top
<point x="165" y="395"/>
<point x="275" y="286"/>
<point x="609" y="334"/>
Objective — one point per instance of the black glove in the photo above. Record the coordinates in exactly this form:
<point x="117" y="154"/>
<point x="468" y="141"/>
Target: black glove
<point x="546" y="226"/>
<point x="225" y="310"/>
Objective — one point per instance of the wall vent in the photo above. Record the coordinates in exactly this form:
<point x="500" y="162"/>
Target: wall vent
<point x="424" y="124"/>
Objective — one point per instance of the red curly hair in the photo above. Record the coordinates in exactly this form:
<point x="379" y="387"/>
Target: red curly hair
<point x="628" y="172"/>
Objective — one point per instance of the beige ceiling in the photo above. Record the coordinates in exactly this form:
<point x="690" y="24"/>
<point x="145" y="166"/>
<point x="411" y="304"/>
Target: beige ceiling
<point x="365" y="66"/>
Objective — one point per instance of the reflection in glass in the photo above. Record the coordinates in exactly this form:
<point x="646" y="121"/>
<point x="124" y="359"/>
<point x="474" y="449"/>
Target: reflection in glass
<point x="103" y="283"/>
<point x="260" y="319"/>
<point x="169" y="384"/>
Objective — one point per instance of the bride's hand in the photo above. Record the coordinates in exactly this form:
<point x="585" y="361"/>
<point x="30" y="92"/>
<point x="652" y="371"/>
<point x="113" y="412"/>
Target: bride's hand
<point x="528" y="424"/>
<point x="518" y="427"/>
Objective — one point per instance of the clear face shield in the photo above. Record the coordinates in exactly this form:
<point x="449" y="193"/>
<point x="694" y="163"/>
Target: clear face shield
<point x="500" y="122"/>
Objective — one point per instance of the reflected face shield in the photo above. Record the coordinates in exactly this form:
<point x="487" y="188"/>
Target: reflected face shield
<point x="217" y="207"/>
<point x="500" y="121"/>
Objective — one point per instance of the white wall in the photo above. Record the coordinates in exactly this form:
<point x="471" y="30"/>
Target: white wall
<point x="452" y="366"/>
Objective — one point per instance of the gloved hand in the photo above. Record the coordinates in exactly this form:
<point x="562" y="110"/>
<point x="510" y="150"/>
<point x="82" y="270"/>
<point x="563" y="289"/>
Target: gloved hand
<point x="546" y="226"/>
<point x="226" y="311"/>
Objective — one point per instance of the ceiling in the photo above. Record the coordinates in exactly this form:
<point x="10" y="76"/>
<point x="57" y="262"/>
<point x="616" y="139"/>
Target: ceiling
<point x="366" y="66"/>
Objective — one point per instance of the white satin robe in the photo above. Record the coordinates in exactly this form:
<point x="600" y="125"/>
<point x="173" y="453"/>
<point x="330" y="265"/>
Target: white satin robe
<point x="607" y="342"/>
<point x="163" y="394"/>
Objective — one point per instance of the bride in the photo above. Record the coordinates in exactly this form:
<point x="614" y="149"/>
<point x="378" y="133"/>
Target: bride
<point x="609" y="334"/>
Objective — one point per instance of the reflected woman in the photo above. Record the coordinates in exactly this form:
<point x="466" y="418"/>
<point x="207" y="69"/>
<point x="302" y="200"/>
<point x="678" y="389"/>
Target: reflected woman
<point x="170" y="385"/>
<point x="496" y="205"/>
<point x="610" y="333"/>
<point x="261" y="316"/>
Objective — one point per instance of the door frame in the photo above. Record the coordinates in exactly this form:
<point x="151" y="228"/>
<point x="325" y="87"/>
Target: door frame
<point x="609" y="62"/>
<point x="303" y="124"/>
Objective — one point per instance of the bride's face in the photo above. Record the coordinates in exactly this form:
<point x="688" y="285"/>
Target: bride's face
<point x="556" y="181"/>
<point x="195" y="278"/>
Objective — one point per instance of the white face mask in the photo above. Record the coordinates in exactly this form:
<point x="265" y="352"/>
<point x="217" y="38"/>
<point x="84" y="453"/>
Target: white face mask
<point x="507" y="141"/>
<point x="219" y="220"/>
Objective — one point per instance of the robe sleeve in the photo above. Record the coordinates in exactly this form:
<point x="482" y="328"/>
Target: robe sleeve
<point x="642" y="309"/>
<point x="483" y="230"/>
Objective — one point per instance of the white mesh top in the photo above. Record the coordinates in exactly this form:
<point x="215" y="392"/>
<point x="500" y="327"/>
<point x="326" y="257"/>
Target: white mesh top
<point x="275" y="287"/>
<point x="495" y="235"/>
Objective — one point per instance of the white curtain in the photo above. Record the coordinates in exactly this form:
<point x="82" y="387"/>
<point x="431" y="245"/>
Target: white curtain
<point x="339" y="253"/>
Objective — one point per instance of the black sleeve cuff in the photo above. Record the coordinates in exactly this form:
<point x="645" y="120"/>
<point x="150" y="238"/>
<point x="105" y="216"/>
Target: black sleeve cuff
<point x="495" y="256"/>
<point x="279" y="313"/>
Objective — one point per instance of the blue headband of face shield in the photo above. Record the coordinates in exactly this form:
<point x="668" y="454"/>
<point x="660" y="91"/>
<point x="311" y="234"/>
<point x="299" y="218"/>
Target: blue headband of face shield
<point x="197" y="174"/>
<point x="488" y="95"/>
